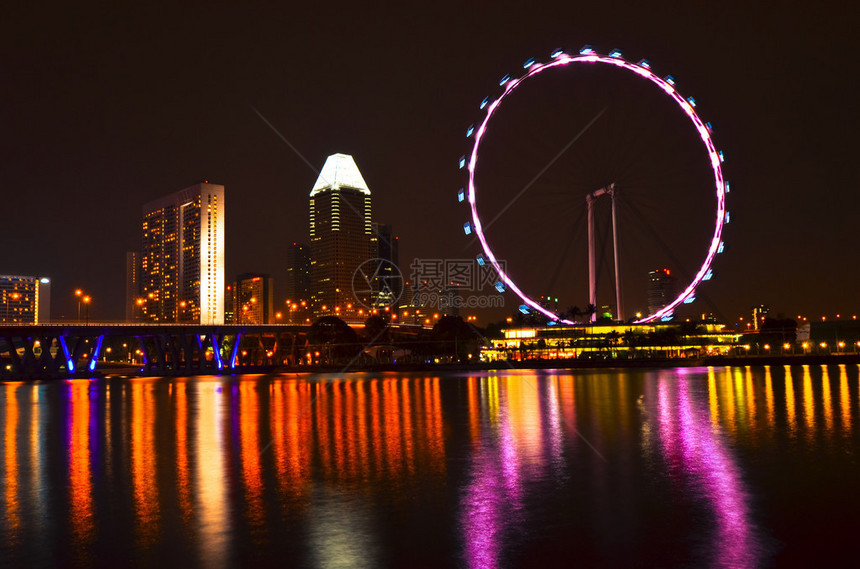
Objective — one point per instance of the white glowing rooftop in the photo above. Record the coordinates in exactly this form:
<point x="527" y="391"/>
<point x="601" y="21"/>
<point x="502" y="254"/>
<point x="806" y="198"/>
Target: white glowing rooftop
<point x="340" y="171"/>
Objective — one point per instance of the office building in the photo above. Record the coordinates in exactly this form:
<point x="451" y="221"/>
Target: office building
<point x="340" y="232"/>
<point x="182" y="257"/>
<point x="387" y="285"/>
<point x="661" y="289"/>
<point x="25" y="300"/>
<point x="298" y="273"/>
<point x="253" y="299"/>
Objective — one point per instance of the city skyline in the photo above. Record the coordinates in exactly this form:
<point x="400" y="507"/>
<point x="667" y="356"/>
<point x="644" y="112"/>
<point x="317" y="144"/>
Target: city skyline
<point x="137" y="121"/>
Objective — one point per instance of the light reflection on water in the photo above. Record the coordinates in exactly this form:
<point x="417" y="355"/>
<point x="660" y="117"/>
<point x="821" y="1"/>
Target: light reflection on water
<point x="611" y="468"/>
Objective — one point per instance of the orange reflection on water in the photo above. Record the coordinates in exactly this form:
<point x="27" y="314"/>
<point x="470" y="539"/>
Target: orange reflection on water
<point x="808" y="402"/>
<point x="790" y="405"/>
<point x="143" y="465"/>
<point x="183" y="475"/>
<point x="524" y="418"/>
<point x="844" y="399"/>
<point x="713" y="402"/>
<point x="211" y="506"/>
<point x="728" y="400"/>
<point x="381" y="426"/>
<point x="826" y="399"/>
<point x="749" y="397"/>
<point x="249" y="425"/>
<point x="768" y="396"/>
<point x="80" y="476"/>
<point x="291" y="431"/>
<point x="10" y="443"/>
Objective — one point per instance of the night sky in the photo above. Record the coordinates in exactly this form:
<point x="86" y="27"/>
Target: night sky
<point x="104" y="109"/>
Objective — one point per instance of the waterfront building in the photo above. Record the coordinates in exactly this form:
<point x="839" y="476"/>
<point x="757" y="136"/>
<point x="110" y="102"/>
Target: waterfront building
<point x="759" y="313"/>
<point x="230" y="304"/>
<point x="661" y="289"/>
<point x="253" y="299"/>
<point x="25" y="300"/>
<point x="340" y="236"/>
<point x="612" y="341"/>
<point x="182" y="257"/>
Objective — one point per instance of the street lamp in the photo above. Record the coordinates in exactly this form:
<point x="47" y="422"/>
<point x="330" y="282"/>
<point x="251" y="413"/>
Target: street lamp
<point x="79" y="293"/>
<point x="86" y="300"/>
<point x="13" y="296"/>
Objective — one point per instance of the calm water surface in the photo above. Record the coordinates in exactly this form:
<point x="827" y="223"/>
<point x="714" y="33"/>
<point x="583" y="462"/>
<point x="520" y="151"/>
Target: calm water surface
<point x="721" y="467"/>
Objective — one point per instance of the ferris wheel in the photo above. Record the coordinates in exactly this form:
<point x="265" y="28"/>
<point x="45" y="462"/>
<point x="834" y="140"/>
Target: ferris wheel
<point x="589" y="57"/>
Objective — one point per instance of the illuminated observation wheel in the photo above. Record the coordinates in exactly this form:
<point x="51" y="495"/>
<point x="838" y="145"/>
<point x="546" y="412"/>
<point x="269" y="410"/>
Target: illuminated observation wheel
<point x="588" y="56"/>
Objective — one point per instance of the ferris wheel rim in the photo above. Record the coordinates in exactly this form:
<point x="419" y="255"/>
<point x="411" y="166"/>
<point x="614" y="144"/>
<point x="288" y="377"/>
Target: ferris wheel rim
<point x="642" y="69"/>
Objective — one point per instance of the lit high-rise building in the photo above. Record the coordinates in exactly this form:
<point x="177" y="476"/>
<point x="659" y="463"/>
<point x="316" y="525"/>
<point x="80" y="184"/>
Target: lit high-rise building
<point x="387" y="284"/>
<point x="661" y="289"/>
<point x="25" y="300"/>
<point x="182" y="257"/>
<point x="298" y="273"/>
<point x="253" y="299"/>
<point x="340" y="231"/>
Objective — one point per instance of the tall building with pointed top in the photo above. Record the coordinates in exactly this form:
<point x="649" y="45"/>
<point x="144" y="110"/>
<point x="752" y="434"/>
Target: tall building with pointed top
<point x="340" y="236"/>
<point x="182" y="257"/>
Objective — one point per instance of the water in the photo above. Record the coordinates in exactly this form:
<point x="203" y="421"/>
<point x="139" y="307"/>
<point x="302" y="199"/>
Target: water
<point x="722" y="467"/>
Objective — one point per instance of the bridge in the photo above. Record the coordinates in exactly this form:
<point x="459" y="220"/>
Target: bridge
<point x="47" y="351"/>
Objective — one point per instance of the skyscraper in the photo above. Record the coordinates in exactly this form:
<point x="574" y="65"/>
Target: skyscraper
<point x="387" y="285"/>
<point x="182" y="257"/>
<point x="661" y="289"/>
<point x="298" y="273"/>
<point x="340" y="230"/>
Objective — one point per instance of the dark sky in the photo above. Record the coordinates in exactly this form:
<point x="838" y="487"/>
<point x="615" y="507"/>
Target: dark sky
<point x="104" y="109"/>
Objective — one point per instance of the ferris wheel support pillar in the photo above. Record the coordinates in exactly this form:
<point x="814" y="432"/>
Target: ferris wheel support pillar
<point x="619" y="313"/>
<point x="592" y="275"/>
<point x="592" y="270"/>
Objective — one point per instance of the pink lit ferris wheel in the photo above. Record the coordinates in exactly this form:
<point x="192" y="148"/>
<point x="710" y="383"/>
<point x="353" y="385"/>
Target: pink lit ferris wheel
<point x="588" y="57"/>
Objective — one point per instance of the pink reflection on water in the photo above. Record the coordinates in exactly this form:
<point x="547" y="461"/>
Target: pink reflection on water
<point x="493" y="498"/>
<point x="698" y="458"/>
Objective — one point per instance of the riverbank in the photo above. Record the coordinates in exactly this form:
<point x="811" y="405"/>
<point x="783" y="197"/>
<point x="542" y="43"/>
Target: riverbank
<point x="123" y="370"/>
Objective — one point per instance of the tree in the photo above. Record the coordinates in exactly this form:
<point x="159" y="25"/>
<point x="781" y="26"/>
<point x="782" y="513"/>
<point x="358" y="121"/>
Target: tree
<point x="376" y="329"/>
<point x="454" y="337"/>
<point x="334" y="335"/>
